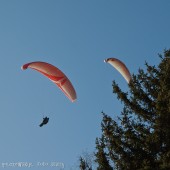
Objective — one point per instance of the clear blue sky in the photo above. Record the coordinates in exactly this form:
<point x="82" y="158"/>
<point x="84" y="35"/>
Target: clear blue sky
<point x="76" y="36"/>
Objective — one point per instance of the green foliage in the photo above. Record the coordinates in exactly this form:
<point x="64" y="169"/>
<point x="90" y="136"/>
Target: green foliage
<point x="141" y="141"/>
<point x="86" y="161"/>
<point x="84" y="165"/>
<point x="101" y="156"/>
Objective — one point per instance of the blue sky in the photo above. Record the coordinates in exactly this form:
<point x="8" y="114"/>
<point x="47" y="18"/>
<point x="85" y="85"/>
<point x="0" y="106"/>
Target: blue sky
<point x="75" y="36"/>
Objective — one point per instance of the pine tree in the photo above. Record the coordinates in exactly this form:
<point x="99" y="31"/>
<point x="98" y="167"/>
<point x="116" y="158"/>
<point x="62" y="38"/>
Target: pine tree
<point x="83" y="164"/>
<point x="141" y="138"/>
<point x="86" y="161"/>
<point x="101" y="156"/>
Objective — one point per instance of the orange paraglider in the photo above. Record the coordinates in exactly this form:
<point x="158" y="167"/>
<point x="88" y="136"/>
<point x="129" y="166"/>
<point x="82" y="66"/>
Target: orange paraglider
<point x="55" y="75"/>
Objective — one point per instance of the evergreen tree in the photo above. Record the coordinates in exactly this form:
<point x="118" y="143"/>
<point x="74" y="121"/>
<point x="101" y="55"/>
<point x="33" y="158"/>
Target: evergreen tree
<point x="141" y="138"/>
<point x="83" y="164"/>
<point x="86" y="161"/>
<point x="101" y="156"/>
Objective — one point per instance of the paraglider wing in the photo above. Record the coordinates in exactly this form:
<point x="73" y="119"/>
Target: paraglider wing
<point x="120" y="66"/>
<point x="55" y="75"/>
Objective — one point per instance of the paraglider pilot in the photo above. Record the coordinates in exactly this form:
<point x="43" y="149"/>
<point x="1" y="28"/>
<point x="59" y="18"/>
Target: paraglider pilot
<point x="44" y="122"/>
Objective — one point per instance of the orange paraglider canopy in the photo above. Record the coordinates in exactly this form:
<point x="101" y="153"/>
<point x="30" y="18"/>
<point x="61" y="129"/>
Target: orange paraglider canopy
<point x="55" y="75"/>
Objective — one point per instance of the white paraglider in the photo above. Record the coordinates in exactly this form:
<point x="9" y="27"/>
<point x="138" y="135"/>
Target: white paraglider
<point x="120" y="66"/>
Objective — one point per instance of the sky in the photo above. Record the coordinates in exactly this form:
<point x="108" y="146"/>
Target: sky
<point x="75" y="36"/>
